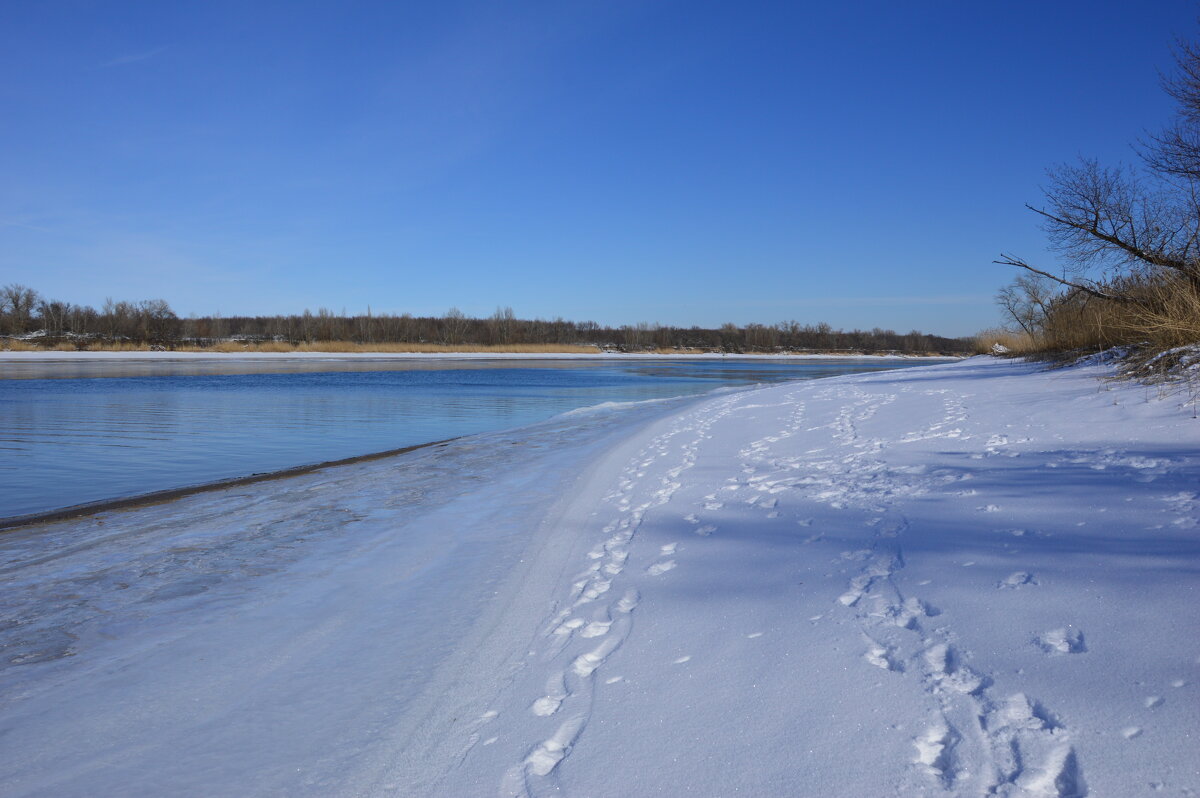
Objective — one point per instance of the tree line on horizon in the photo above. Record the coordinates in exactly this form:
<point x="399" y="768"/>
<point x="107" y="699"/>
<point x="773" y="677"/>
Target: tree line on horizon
<point x="24" y="313"/>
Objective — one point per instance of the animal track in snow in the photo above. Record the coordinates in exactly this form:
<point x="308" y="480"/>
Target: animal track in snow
<point x="705" y="530"/>
<point x="1153" y="701"/>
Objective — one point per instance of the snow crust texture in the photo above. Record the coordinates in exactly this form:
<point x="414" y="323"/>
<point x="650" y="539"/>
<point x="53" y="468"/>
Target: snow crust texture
<point x="973" y="579"/>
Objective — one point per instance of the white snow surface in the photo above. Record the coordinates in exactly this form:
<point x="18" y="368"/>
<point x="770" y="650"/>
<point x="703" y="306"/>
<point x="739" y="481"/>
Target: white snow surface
<point x="967" y="579"/>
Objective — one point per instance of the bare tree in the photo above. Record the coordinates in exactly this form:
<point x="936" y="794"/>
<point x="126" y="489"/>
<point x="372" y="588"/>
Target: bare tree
<point x="1110" y="223"/>
<point x="454" y="326"/>
<point x="52" y="315"/>
<point x="1176" y="151"/>
<point x="158" y="322"/>
<point x="500" y="325"/>
<point x="17" y="303"/>
<point x="1027" y="301"/>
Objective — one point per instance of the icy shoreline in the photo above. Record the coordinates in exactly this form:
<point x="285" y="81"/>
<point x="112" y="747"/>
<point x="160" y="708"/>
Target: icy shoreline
<point x="974" y="578"/>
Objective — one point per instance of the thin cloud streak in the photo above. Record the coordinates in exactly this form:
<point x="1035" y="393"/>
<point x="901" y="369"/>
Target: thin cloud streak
<point x="874" y="301"/>
<point x="23" y="225"/>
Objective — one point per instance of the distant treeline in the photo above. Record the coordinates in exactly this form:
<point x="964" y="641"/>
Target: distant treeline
<point x="25" y="313"/>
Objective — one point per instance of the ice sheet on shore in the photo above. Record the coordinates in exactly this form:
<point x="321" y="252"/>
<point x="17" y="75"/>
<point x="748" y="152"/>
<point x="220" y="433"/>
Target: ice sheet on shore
<point x="968" y="579"/>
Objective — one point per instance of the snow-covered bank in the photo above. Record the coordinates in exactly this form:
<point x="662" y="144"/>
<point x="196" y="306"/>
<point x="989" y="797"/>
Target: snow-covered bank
<point x="976" y="578"/>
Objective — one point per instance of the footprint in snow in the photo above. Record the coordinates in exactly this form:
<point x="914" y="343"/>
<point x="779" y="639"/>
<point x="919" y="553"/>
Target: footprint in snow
<point x="599" y="626"/>
<point x="1153" y="701"/>
<point x="660" y="568"/>
<point x="556" y="691"/>
<point x="882" y="657"/>
<point x="550" y="752"/>
<point x="947" y="670"/>
<point x="935" y="751"/>
<point x="705" y="530"/>
<point x="1015" y="580"/>
<point x="1062" y="641"/>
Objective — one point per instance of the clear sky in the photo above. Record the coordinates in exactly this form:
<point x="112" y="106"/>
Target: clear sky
<point x="683" y="162"/>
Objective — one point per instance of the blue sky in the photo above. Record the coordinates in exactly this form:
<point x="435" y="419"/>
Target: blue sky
<point x="694" y="162"/>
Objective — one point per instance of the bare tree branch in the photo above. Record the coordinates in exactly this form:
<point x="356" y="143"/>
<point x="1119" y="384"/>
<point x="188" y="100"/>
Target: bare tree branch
<point x="1093" y="229"/>
<point x="1010" y="260"/>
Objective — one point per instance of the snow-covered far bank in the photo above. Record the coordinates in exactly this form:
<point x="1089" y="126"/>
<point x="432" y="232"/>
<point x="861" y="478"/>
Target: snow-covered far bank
<point x="964" y="579"/>
<point x="79" y="356"/>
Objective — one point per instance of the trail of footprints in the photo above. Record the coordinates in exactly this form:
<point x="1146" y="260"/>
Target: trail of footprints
<point x="1023" y="748"/>
<point x="591" y="625"/>
<point x="973" y="742"/>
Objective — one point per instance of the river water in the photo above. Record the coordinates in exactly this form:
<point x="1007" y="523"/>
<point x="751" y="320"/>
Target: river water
<point x="72" y="433"/>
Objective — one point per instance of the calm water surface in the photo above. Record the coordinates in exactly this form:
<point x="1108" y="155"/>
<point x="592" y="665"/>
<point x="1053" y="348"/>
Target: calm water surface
<point x="80" y="437"/>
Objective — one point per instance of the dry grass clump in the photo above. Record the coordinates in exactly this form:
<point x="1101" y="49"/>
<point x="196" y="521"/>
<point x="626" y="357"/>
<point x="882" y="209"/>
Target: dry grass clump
<point x="1153" y="314"/>
<point x="1161" y="312"/>
<point x="1168" y="315"/>
<point x="1017" y="343"/>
